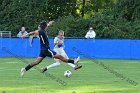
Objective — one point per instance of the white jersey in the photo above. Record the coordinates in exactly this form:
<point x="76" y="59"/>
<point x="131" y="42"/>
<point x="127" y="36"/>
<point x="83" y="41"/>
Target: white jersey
<point x="91" y="34"/>
<point x="59" y="48"/>
<point x="60" y="42"/>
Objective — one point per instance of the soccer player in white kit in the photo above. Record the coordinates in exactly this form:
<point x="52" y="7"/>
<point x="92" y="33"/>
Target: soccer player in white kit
<point x="59" y="48"/>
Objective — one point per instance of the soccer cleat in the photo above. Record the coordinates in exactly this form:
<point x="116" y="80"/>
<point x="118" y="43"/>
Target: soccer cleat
<point x="44" y="70"/>
<point x="77" y="67"/>
<point x="76" y="60"/>
<point x="22" y="72"/>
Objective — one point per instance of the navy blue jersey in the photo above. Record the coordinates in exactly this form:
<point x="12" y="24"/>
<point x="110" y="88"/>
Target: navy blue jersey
<point x="44" y="42"/>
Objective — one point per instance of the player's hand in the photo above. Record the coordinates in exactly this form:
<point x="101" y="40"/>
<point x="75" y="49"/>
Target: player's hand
<point x="50" y="23"/>
<point x="57" y="42"/>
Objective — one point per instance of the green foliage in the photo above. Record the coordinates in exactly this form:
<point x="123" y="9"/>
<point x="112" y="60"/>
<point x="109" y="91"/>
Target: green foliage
<point x="73" y="27"/>
<point x="109" y="18"/>
<point x="128" y="9"/>
<point x="17" y="13"/>
<point x="59" y="8"/>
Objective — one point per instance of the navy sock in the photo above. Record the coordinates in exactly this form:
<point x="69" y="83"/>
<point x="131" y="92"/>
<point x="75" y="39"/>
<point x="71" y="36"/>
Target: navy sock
<point x="70" y="61"/>
<point x="28" y="67"/>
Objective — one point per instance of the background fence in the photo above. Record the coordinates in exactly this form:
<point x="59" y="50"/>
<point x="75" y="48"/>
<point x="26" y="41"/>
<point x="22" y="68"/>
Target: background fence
<point x="124" y="49"/>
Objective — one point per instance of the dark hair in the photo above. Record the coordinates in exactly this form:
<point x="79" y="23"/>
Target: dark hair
<point x="43" y="25"/>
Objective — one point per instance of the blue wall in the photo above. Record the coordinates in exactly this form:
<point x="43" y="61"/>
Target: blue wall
<point x="125" y="49"/>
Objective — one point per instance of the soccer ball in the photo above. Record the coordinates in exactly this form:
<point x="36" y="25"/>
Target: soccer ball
<point x="67" y="73"/>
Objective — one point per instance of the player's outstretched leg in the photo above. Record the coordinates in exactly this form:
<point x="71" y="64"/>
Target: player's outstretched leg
<point x="67" y="60"/>
<point x="23" y="70"/>
<point x="57" y="63"/>
<point x="75" y="67"/>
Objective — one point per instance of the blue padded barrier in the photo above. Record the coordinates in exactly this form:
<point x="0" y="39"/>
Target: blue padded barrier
<point x="100" y="48"/>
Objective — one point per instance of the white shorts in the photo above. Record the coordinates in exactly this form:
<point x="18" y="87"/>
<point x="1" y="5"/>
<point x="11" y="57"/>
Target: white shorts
<point x="61" y="52"/>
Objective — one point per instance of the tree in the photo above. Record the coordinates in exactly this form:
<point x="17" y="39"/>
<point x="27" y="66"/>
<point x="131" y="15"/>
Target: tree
<point x="59" y="8"/>
<point x="128" y="9"/>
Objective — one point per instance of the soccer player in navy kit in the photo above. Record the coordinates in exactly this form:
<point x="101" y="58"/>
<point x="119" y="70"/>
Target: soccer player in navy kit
<point x="44" y="48"/>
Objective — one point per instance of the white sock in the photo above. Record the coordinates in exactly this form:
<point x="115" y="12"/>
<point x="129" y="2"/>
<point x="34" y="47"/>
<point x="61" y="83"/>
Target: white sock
<point x="53" y="65"/>
<point x="72" y="65"/>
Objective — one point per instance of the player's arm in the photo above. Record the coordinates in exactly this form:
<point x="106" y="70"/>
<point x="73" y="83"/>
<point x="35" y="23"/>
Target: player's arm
<point x="87" y="35"/>
<point x="31" y="33"/>
<point x="56" y="42"/>
<point x="49" y="24"/>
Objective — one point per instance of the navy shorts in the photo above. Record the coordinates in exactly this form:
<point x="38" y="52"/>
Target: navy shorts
<point x="48" y="53"/>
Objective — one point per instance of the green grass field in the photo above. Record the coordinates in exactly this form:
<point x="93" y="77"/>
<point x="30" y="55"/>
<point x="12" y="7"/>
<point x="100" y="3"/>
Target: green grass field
<point x="92" y="78"/>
